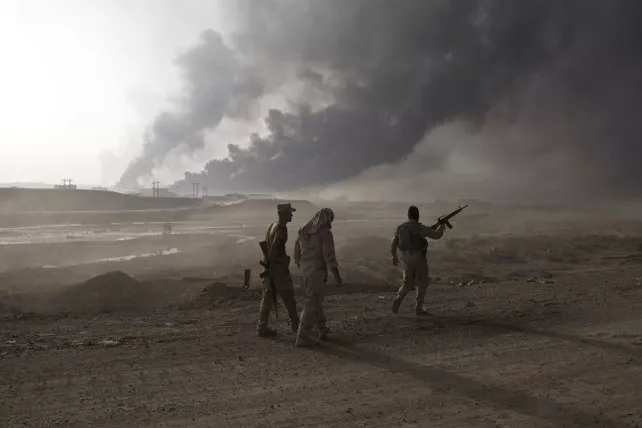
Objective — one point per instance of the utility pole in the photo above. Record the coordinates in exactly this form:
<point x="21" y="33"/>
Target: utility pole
<point x="204" y="192"/>
<point x="195" y="189"/>
<point x="156" y="189"/>
<point x="66" y="184"/>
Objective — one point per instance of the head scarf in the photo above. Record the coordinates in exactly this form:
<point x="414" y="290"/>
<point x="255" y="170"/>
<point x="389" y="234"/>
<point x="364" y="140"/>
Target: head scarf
<point x="321" y="220"/>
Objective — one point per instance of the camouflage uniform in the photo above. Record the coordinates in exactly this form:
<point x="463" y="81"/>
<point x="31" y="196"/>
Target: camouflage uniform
<point x="314" y="253"/>
<point x="410" y="239"/>
<point x="276" y="237"/>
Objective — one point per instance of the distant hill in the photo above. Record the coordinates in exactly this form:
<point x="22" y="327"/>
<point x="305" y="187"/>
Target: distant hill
<point x="17" y="200"/>
<point x="40" y="185"/>
<point x="28" y="185"/>
<point x="255" y="208"/>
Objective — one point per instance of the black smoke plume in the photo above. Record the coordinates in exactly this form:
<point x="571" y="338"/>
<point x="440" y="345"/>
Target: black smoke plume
<point x="555" y="83"/>
<point x="218" y="83"/>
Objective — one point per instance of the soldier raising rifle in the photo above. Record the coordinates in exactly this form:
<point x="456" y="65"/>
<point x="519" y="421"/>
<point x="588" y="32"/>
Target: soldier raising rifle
<point x="410" y="239"/>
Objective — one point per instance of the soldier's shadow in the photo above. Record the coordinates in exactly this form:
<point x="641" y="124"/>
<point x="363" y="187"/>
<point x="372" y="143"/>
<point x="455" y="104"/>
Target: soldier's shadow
<point x="494" y="327"/>
<point x="439" y="378"/>
<point x="525" y="329"/>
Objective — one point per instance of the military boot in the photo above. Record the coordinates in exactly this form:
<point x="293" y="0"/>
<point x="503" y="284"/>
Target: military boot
<point x="401" y="294"/>
<point x="323" y="331"/>
<point x="419" y="303"/>
<point x="265" y="331"/>
<point x="420" y="311"/>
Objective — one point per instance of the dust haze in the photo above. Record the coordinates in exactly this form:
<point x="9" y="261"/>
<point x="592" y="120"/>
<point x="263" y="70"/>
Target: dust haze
<point x="139" y="307"/>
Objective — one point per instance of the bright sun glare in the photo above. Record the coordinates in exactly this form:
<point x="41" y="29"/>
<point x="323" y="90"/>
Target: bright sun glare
<point x="61" y="87"/>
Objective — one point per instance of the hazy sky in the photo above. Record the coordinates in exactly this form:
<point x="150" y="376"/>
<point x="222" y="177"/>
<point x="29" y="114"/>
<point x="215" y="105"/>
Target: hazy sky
<point x="79" y="78"/>
<point x="502" y="99"/>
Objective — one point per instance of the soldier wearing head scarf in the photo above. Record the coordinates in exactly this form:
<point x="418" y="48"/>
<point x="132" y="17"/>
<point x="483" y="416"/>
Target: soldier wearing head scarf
<point x="314" y="253"/>
<point x="410" y="239"/>
<point x="276" y="237"/>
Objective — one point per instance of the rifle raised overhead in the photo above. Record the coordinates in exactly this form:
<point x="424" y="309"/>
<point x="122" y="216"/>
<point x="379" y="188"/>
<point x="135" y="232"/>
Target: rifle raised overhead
<point x="445" y="219"/>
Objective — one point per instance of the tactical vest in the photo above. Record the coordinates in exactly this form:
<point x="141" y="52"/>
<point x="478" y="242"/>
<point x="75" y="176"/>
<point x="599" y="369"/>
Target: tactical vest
<point x="410" y="239"/>
<point x="271" y="235"/>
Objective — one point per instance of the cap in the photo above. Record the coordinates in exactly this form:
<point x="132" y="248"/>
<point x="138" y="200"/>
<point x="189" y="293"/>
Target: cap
<point x="283" y="208"/>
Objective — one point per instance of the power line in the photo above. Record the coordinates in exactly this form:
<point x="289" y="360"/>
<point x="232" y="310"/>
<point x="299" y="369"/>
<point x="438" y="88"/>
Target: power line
<point x="66" y="183"/>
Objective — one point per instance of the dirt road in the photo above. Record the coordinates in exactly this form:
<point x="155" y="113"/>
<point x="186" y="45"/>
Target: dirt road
<point x="562" y="353"/>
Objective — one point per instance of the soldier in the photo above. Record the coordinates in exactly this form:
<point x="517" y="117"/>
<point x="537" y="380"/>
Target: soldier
<point x="314" y="254"/>
<point x="276" y="237"/>
<point x="410" y="239"/>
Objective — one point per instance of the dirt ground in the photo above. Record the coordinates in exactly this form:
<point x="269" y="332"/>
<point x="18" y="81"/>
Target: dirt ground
<point x="525" y="330"/>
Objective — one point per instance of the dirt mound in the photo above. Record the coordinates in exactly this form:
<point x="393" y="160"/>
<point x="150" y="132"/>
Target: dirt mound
<point x="112" y="291"/>
<point x="219" y="294"/>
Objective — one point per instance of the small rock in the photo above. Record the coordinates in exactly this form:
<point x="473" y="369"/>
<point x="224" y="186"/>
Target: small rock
<point x="110" y="342"/>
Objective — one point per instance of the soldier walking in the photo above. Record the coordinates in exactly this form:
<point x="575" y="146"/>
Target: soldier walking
<point x="410" y="239"/>
<point x="279" y="273"/>
<point x="314" y="254"/>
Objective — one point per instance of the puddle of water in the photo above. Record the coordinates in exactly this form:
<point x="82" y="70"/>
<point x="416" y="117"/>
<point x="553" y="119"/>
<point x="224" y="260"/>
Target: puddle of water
<point x="115" y="232"/>
<point x="242" y="238"/>
<point x="119" y="259"/>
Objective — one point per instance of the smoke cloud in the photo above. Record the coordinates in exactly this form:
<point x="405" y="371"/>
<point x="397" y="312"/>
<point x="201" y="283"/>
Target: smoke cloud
<point x="499" y="97"/>
<point x="218" y="83"/>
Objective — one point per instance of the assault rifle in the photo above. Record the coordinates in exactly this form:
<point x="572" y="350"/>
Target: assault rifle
<point x="445" y="220"/>
<point x="266" y="272"/>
